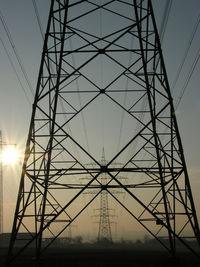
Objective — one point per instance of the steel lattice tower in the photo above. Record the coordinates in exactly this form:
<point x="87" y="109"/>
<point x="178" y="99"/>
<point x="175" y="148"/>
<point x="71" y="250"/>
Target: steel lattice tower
<point x="120" y="64"/>
<point x="104" y="233"/>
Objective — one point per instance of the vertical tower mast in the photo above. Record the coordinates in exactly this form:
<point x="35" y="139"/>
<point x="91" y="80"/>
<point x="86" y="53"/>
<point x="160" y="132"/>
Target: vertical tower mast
<point x="104" y="233"/>
<point x="119" y="64"/>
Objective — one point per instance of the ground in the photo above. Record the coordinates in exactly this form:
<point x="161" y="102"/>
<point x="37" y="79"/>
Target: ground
<point x="96" y="257"/>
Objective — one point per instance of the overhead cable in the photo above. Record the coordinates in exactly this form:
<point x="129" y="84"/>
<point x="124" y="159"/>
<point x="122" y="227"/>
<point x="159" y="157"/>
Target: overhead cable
<point x="38" y="18"/>
<point x="14" y="69"/>
<point x="165" y="19"/>
<point x="50" y="65"/>
<point x="16" y="52"/>
<point x="186" y="52"/>
<point x="162" y="31"/>
<point x="196" y="60"/>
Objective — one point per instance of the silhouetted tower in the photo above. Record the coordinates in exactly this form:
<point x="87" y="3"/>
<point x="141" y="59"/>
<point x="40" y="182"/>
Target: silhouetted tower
<point x="104" y="215"/>
<point x="104" y="233"/>
<point x="103" y="58"/>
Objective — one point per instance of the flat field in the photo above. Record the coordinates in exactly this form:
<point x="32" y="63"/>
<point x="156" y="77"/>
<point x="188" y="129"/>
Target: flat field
<point x="97" y="257"/>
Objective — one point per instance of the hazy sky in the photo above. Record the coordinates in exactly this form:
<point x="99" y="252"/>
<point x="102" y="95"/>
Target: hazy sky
<point x="15" y="110"/>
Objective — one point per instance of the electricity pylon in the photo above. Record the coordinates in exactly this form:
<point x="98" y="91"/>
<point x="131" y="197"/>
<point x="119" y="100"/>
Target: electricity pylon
<point x="103" y="53"/>
<point x="104" y="231"/>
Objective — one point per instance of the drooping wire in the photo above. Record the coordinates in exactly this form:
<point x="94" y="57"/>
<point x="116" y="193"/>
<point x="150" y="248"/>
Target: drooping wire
<point x="189" y="76"/>
<point x="186" y="52"/>
<point x="162" y="31"/>
<point x="38" y="18"/>
<point x="42" y="35"/>
<point x="16" y="53"/>
<point x="15" y="71"/>
<point x="73" y="64"/>
<point x="165" y="18"/>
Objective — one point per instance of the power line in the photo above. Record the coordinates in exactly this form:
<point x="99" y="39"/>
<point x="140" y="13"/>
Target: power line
<point x="165" y="18"/>
<point x="16" y="52"/>
<point x="162" y="30"/>
<point x="38" y="18"/>
<point x="186" y="52"/>
<point x="189" y="76"/>
<point x="73" y="64"/>
<point x="15" y="71"/>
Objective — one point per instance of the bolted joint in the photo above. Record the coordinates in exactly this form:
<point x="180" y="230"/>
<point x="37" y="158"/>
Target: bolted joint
<point x="102" y="91"/>
<point x="104" y="187"/>
<point x="104" y="168"/>
<point x="101" y="51"/>
<point x="159" y="222"/>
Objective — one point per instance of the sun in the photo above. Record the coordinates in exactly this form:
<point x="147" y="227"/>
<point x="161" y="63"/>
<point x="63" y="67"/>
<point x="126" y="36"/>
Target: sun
<point x="10" y="155"/>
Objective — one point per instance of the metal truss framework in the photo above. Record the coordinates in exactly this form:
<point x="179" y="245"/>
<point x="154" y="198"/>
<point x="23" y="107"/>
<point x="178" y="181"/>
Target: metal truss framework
<point x="104" y="232"/>
<point x="135" y="82"/>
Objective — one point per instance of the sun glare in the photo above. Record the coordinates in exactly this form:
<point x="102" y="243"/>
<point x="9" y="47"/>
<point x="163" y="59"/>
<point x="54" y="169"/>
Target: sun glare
<point x="10" y="155"/>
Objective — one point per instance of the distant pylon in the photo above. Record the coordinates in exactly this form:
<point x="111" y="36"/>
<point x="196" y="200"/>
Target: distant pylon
<point x="104" y="233"/>
<point x="103" y="58"/>
<point x="104" y="230"/>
